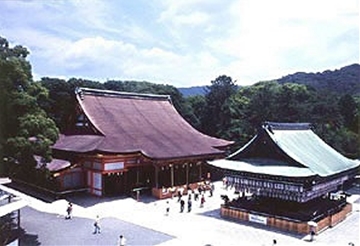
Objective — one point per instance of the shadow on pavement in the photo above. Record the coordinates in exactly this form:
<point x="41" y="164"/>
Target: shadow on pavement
<point x="28" y="239"/>
<point x="87" y="200"/>
<point x="41" y="195"/>
<point x="215" y="213"/>
<point x="354" y="190"/>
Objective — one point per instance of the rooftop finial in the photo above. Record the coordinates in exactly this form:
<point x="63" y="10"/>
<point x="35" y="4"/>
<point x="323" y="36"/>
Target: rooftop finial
<point x="78" y="91"/>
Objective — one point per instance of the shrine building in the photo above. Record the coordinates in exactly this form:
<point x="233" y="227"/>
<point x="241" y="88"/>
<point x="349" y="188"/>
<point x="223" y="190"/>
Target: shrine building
<point x="122" y="142"/>
<point x="289" y="178"/>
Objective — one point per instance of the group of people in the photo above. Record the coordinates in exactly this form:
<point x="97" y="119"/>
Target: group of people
<point x="198" y="194"/>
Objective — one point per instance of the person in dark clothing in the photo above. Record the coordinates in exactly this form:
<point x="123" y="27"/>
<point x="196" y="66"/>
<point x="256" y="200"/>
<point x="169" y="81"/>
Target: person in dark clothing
<point x="200" y="189"/>
<point x="182" y="205"/>
<point x="189" y="205"/>
<point x="69" y="211"/>
<point x="179" y="196"/>
<point x="312" y="234"/>
<point x="202" y="201"/>
<point x="196" y="194"/>
<point x="212" y="188"/>
<point x="167" y="208"/>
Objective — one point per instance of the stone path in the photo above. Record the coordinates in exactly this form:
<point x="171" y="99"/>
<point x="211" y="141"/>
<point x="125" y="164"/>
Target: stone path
<point x="147" y="219"/>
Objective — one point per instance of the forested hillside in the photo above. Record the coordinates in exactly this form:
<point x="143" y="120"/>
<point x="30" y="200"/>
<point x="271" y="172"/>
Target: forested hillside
<point x="342" y="81"/>
<point x="345" y="80"/>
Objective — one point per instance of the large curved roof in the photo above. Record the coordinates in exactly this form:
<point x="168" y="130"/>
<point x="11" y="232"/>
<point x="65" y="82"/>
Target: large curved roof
<point x="306" y="148"/>
<point x="130" y="122"/>
<point x="302" y="153"/>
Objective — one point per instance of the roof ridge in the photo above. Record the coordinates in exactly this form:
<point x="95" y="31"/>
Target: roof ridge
<point x="90" y="91"/>
<point x="286" y="126"/>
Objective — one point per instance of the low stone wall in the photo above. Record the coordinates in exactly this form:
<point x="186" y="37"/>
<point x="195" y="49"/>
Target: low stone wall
<point x="285" y="224"/>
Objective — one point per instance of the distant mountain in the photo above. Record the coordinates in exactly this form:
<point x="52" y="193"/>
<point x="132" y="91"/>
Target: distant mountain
<point x="193" y="91"/>
<point x="345" y="80"/>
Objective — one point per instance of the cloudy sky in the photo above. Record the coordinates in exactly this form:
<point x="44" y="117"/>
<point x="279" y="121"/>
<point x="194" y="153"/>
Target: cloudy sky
<point x="182" y="42"/>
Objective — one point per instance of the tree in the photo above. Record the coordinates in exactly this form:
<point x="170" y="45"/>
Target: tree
<point x="349" y="110"/>
<point x="197" y="104"/>
<point x="25" y="129"/>
<point x="60" y="105"/>
<point x="269" y="101"/>
<point x="216" y="97"/>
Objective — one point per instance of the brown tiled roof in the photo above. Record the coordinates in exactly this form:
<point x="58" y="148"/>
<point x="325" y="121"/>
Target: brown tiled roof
<point x="53" y="165"/>
<point x="129" y="123"/>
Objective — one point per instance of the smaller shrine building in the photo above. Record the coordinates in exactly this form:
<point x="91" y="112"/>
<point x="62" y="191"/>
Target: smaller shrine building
<point x="293" y="177"/>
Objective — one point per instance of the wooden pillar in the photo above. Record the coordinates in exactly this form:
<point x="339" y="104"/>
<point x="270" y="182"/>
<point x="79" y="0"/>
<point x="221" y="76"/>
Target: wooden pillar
<point x="200" y="170"/>
<point x="125" y="181"/>
<point x="172" y="174"/>
<point x="18" y="219"/>
<point x="137" y="175"/>
<point x="156" y="176"/>
<point x="187" y="173"/>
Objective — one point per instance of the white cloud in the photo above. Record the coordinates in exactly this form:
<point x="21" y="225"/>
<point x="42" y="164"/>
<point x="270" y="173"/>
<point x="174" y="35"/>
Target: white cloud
<point x="272" y="38"/>
<point x="188" y="42"/>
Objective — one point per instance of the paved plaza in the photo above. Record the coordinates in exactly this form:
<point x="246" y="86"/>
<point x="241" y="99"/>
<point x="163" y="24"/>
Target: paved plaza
<point x="145" y="222"/>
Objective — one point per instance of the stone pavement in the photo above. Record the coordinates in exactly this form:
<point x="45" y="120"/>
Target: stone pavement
<point x="202" y="226"/>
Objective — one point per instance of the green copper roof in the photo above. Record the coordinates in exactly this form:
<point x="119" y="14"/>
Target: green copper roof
<point x="261" y="166"/>
<point x="299" y="144"/>
<point x="306" y="148"/>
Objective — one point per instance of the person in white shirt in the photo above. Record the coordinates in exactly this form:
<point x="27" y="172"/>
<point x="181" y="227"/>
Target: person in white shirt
<point x="97" y="225"/>
<point x="122" y="240"/>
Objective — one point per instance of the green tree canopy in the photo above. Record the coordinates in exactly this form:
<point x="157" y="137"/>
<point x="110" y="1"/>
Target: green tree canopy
<point x="25" y="129"/>
<point x="217" y="95"/>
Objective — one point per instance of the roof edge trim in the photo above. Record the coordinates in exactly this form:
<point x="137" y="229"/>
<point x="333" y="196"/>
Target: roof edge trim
<point x="286" y="126"/>
<point x="97" y="92"/>
<point x="242" y="149"/>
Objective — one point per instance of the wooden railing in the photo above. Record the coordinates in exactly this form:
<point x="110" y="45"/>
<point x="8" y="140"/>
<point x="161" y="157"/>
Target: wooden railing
<point x="288" y="224"/>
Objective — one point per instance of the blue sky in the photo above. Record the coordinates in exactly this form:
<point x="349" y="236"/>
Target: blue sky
<point x="182" y="42"/>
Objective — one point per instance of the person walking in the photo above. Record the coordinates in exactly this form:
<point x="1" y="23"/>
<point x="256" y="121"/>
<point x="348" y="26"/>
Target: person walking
<point x="122" y="240"/>
<point x="97" y="228"/>
<point x="167" y="208"/>
<point x="182" y="205"/>
<point x="179" y="194"/>
<point x="212" y="188"/>
<point x="312" y="234"/>
<point x="196" y="194"/>
<point x="189" y="205"/>
<point x="202" y="201"/>
<point x="69" y="211"/>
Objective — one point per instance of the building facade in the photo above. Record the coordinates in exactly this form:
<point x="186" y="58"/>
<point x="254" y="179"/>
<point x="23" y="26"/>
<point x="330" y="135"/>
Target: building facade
<point x="290" y="173"/>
